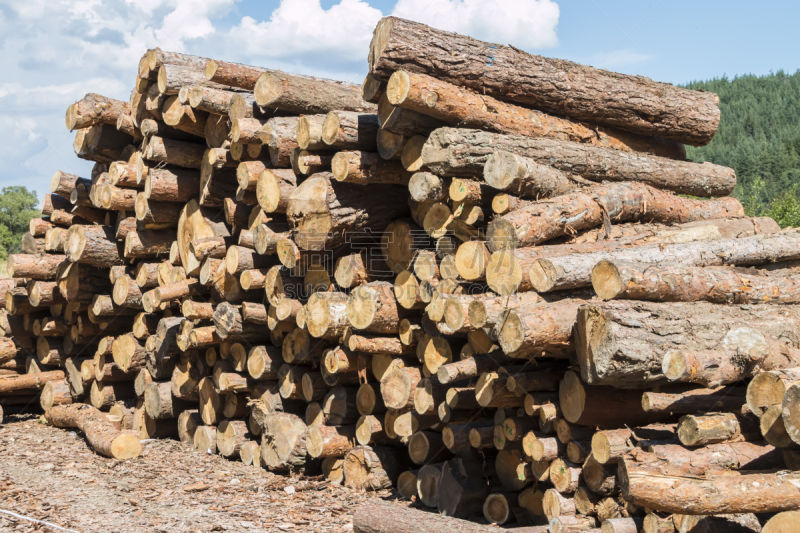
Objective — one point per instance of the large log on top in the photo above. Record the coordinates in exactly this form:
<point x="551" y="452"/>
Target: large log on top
<point x="618" y="202"/>
<point x="100" y="433"/>
<point x="623" y="343"/>
<point x="323" y="211"/>
<point x="465" y="152"/>
<point x="460" y="107"/>
<point x="632" y="103"/>
<point x="656" y="484"/>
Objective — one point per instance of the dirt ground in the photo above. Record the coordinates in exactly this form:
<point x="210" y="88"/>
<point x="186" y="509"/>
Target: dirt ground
<point x="51" y="474"/>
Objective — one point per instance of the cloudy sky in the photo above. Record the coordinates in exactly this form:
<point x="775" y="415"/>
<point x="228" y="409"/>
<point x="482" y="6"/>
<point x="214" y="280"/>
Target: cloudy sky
<point x="52" y="52"/>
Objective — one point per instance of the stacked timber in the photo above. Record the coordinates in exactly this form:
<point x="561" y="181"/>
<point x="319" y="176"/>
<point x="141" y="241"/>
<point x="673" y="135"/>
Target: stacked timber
<point x="504" y="293"/>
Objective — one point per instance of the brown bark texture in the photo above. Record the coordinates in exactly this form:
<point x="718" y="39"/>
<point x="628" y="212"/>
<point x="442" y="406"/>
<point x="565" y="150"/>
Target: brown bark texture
<point x="633" y="103"/>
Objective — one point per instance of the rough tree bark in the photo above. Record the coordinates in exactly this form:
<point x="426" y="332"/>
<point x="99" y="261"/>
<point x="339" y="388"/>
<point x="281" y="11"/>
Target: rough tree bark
<point x="614" y="202"/>
<point x="556" y="86"/>
<point x="320" y="220"/>
<point x="614" y="351"/>
<point x="460" y="107"/>
<point x="464" y="152"/>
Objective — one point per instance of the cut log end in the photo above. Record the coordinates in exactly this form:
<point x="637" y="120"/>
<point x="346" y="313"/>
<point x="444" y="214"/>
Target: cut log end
<point x="606" y="280"/>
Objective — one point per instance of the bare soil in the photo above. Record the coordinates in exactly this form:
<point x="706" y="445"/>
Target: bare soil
<point x="51" y="474"/>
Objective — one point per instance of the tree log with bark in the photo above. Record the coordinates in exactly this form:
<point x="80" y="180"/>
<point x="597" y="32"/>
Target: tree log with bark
<point x="577" y="91"/>
<point x="611" y="352"/>
<point x="102" y="436"/>
<point x="465" y="152"/>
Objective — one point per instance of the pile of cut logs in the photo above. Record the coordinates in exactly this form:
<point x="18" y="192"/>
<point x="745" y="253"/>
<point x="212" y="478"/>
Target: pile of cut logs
<point x="488" y="279"/>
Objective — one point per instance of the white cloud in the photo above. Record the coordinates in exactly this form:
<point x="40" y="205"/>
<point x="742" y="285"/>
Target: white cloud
<point x="526" y="24"/>
<point x="52" y="52"/>
<point x="302" y="33"/>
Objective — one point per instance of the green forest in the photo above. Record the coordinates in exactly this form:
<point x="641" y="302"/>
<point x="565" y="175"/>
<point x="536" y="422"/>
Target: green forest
<point x="759" y="137"/>
<point x="18" y="206"/>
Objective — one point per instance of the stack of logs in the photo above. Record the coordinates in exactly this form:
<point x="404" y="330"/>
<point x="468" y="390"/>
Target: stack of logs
<point x="497" y="289"/>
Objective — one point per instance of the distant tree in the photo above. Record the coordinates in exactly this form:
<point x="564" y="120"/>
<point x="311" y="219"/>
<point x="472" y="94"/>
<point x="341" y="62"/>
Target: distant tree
<point x="759" y="137"/>
<point x="17" y="208"/>
<point x="786" y="210"/>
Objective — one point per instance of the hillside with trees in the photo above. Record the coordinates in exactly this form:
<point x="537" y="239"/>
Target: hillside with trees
<point x="759" y="137"/>
<point x="18" y="206"/>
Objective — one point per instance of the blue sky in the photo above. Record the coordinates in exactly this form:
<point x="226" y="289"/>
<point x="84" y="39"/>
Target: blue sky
<point x="54" y="51"/>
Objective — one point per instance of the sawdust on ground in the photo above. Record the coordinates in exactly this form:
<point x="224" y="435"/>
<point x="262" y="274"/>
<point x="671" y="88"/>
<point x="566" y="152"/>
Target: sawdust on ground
<point x="51" y="474"/>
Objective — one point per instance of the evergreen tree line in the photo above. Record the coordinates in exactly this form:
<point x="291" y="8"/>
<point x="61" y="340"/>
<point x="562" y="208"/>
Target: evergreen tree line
<point x="759" y="137"/>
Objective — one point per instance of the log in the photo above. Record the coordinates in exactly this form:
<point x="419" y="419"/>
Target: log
<point x="93" y="245"/>
<point x="682" y="283"/>
<point x="320" y="220"/>
<point x="373" y="469"/>
<point x="28" y="382"/>
<point x="404" y="121"/>
<point x="326" y="314"/>
<point x="233" y="74"/>
<point x="538" y="330"/>
<point x="129" y="355"/>
<point x="305" y="95"/>
<point x="284" y="443"/>
<point x="238" y="259"/>
<point x="376" y="516"/>
<point x="188" y="422"/>
<point x="548" y="219"/>
<point x="156" y="215"/>
<point x="148" y="244"/>
<point x="602" y="340"/>
<point x="63" y="183"/>
<point x="347" y="130"/>
<point x="160" y="404"/>
<point x="372" y="307"/>
<point x="328" y="441"/>
<point x="274" y="189"/>
<point x="661" y="486"/>
<point x="55" y="393"/>
<point x="465" y="153"/>
<point x="471" y="368"/>
<point x="720" y="399"/>
<point x="105" y="395"/>
<point x="95" y="109"/>
<point x="178" y="153"/>
<point x="571" y="270"/>
<point x="724" y="456"/>
<point x="205" y="439"/>
<point x="367" y="168"/>
<point x="40" y="267"/>
<point x="171" y="185"/>
<point x="230" y="437"/>
<point x="196" y="223"/>
<point x="279" y="135"/>
<point x="577" y="91"/>
<point x="590" y="405"/>
<point x="397" y="387"/>
<point x="102" y="436"/>
<point x="459" y="107"/>
<point x="769" y="388"/>
<point x="781" y="522"/>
